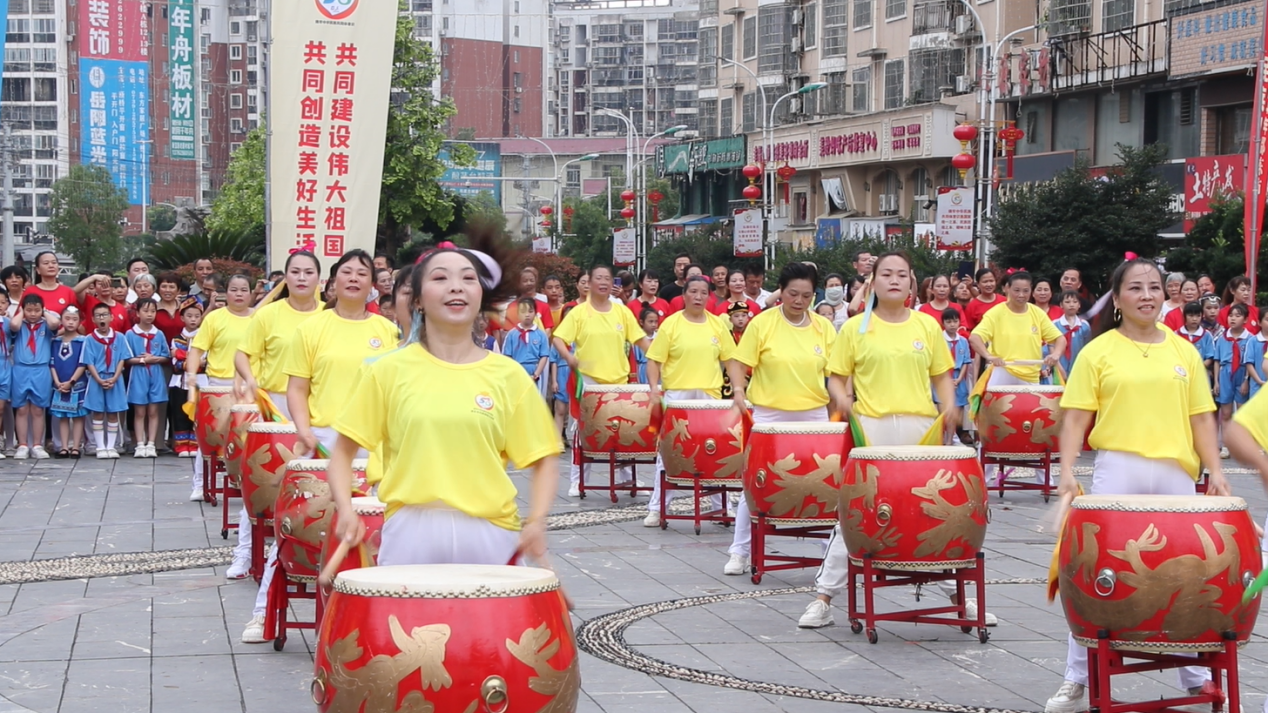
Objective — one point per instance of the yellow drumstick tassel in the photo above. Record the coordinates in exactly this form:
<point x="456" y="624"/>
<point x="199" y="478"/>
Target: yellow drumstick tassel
<point x="1062" y="514"/>
<point x="933" y="437"/>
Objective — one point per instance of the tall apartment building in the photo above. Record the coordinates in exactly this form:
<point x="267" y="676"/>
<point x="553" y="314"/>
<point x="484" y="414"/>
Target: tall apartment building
<point x="492" y="62"/>
<point x="638" y="57"/>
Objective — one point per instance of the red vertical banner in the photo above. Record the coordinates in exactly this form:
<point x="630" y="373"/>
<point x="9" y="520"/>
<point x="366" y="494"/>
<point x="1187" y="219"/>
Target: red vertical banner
<point x="1257" y="180"/>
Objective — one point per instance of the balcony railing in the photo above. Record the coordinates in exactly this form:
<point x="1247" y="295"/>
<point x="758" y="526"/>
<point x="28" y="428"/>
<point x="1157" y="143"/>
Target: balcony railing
<point x="1137" y="51"/>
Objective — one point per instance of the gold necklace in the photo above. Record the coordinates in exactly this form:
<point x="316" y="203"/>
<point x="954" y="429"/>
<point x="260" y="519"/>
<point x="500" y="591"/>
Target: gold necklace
<point x="1144" y="353"/>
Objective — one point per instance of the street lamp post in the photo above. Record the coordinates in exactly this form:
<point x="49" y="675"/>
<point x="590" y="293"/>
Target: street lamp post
<point x="768" y="174"/>
<point x="642" y="189"/>
<point x="559" y="184"/>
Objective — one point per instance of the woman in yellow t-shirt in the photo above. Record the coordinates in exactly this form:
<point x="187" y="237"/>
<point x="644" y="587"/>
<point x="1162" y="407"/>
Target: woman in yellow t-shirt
<point x="219" y="336"/>
<point x="683" y="364"/>
<point x="447" y="416"/>
<point x="260" y="356"/>
<point x="601" y="331"/>
<point x="881" y="367"/>
<point x="1155" y="423"/>
<point x="787" y="348"/>
<point x="1017" y="332"/>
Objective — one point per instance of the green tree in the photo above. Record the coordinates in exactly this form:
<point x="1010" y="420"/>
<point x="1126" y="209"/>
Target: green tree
<point x="590" y="243"/>
<point x="484" y="208"/>
<point x="161" y="218"/>
<point x="86" y="207"/>
<point x="411" y="196"/>
<point x="239" y="207"/>
<point x="1084" y="221"/>
<point x="1216" y="245"/>
<point x="244" y="246"/>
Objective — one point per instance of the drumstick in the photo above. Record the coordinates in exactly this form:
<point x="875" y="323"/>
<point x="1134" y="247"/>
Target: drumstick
<point x="327" y="576"/>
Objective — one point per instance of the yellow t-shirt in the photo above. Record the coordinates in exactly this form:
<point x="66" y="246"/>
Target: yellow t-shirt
<point x="601" y="338"/>
<point x="1253" y="416"/>
<point x="1018" y="337"/>
<point x="892" y="363"/>
<point x="221" y="334"/>
<point x="327" y="350"/>
<point x="272" y="327"/>
<point x="447" y="430"/>
<point x="789" y="363"/>
<point x="1142" y="404"/>
<point x="690" y="353"/>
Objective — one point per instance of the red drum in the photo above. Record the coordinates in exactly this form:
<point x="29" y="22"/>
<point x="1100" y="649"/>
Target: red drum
<point x="701" y="439"/>
<point x="241" y="416"/>
<point x="446" y="638"/>
<point x="211" y="419"/>
<point x="269" y="447"/>
<point x="303" y="513"/>
<point x="370" y="510"/>
<point x="1159" y="572"/>
<point x="793" y="472"/>
<point x="617" y="418"/>
<point x="914" y="507"/>
<point x="1020" y="420"/>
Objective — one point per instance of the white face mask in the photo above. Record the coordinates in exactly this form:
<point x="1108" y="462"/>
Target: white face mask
<point x="834" y="295"/>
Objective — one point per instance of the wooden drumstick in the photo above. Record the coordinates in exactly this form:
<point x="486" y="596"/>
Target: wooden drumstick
<point x="327" y="576"/>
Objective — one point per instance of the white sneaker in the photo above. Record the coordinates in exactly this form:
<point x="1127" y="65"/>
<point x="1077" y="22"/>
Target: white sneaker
<point x="140" y="452"/>
<point x="39" y="453"/>
<point x="818" y="615"/>
<point x="652" y="520"/>
<point x="737" y="565"/>
<point x="194" y="497"/>
<point x="1223" y="452"/>
<point x="240" y="568"/>
<point x="970" y="612"/>
<point x="112" y="453"/>
<point x="103" y="454"/>
<point x="1067" y="699"/>
<point x="574" y="492"/>
<point x="22" y="453"/>
<point x="152" y="450"/>
<point x="254" y="633"/>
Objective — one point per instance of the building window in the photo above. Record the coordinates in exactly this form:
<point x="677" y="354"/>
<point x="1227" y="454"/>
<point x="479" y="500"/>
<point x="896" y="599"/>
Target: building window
<point x="44" y="118"/>
<point x="517" y="80"/>
<point x="1117" y="14"/>
<point x="835" y="25"/>
<point x="18" y="31"/>
<point x="45" y="59"/>
<point x="775" y="27"/>
<point x="1067" y="17"/>
<point x="235" y="51"/>
<point x="44" y="89"/>
<point x="708" y="57"/>
<point x="895" y="9"/>
<point x="251" y="54"/>
<point x="750" y="38"/>
<point x="833" y="98"/>
<point x="894" y="84"/>
<point x="726" y="42"/>
<point x="708" y="118"/>
<point x="517" y="30"/>
<point x="862" y="14"/>
<point x="517" y="6"/>
<point x="1233" y="125"/>
<point x="515" y="56"/>
<point x="708" y="8"/>
<point x="516" y="105"/>
<point x="235" y="76"/>
<point x="920" y="195"/>
<point x="934" y="70"/>
<point x="861" y="90"/>
<point x="748" y="115"/>
<point x="235" y="126"/>
<point x="810" y="25"/>
<point x="45" y="30"/>
<point x="726" y="117"/>
<point x="235" y="101"/>
<point x="42" y="7"/>
<point x="235" y="28"/>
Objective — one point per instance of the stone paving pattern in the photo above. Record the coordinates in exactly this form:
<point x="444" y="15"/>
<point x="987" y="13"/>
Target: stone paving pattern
<point x="169" y="641"/>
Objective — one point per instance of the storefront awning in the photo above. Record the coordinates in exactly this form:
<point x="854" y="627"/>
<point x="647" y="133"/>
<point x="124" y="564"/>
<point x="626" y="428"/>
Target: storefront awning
<point x="684" y="220"/>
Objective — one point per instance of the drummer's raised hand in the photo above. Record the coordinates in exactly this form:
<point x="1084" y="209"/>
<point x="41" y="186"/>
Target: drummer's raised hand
<point x="307" y="441"/>
<point x="350" y="528"/>
<point x="533" y="542"/>
<point x="1217" y="484"/>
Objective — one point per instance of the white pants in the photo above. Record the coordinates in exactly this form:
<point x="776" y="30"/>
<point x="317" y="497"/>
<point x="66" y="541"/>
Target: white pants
<point x="623" y="473"/>
<point x="420" y="534"/>
<point x="742" y="540"/>
<point x="653" y="505"/>
<point x="1119" y="473"/>
<point x="893" y="430"/>
<point x="262" y="595"/>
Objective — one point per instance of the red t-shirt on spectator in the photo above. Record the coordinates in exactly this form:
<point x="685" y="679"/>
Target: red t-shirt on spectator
<point x="1252" y="322"/>
<point x="720" y="308"/>
<point x="977" y="308"/>
<point x="120" y="321"/>
<point x="661" y="306"/>
<point x="55" y="300"/>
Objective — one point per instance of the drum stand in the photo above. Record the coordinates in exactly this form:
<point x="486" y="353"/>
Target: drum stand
<point x="261" y="529"/>
<point x="613" y="460"/>
<point x="763" y="528"/>
<point x="699" y="487"/>
<point x="228" y="490"/>
<point x="212" y="465"/>
<point x="284" y="588"/>
<point x="875" y="577"/>
<point x="1104" y="662"/>
<point x="1039" y="461"/>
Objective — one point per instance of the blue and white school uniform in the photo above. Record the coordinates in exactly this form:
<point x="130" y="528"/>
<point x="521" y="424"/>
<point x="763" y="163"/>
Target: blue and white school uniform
<point x="639" y="361"/>
<point x="1202" y="340"/>
<point x="146" y="383"/>
<point x="32" y="382"/>
<point x="6" y="367"/>
<point x="1076" y="336"/>
<point x="562" y="374"/>
<point x="961" y="358"/>
<point x="1230" y="354"/>
<point x="526" y="348"/>
<point x="106" y="354"/>
<point x="67" y="357"/>
<point x="1255" y="351"/>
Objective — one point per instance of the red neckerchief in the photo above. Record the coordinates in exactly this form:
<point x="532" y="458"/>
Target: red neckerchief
<point x="1237" y="350"/>
<point x="1193" y="338"/>
<point x="30" y="335"/>
<point x="107" y="343"/>
<point x="524" y="333"/>
<point x="147" y="336"/>
<point x="1069" y="331"/>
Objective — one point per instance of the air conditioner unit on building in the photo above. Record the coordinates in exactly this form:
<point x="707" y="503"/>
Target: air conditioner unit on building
<point x="798" y="16"/>
<point x="963" y="24"/>
<point x="794" y="105"/>
<point x="963" y="84"/>
<point x="797" y="45"/>
<point x="519" y="90"/>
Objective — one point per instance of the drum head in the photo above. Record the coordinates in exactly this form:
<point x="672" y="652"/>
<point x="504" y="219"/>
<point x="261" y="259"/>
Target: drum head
<point x="1159" y="503"/>
<point x="368" y="505"/>
<point x="699" y="404"/>
<point x="216" y="390"/>
<point x="244" y="408"/>
<point x="811" y="428"/>
<point x="617" y="388"/>
<point x="913" y="453"/>
<point x="270" y="427"/>
<point x="320" y="466"/>
<point x="1028" y="389"/>
<point x="446" y="581"/>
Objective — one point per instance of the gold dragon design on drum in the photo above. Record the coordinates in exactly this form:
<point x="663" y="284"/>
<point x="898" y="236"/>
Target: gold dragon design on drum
<point x="958" y="530"/>
<point x="267" y="481"/>
<point x="678" y="464"/>
<point x="605" y="415"/>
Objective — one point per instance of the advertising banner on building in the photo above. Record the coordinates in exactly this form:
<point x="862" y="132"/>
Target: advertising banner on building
<point x="955" y="218"/>
<point x="748" y="232"/>
<point x="114" y="80"/>
<point x="1208" y="177"/>
<point x="1258" y="173"/>
<point x="541" y="245"/>
<point x="330" y="78"/>
<point x="624" y="247"/>
<point x="471" y="181"/>
<point x="180" y="58"/>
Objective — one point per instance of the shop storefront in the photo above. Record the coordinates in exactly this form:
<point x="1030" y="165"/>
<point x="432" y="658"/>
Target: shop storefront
<point x="706" y="172"/>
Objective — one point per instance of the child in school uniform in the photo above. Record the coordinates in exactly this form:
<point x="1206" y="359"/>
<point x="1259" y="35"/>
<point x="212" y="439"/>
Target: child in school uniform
<point x="33" y="330"/>
<point x="1256" y="348"/>
<point x="961" y="369"/>
<point x="1197" y="335"/>
<point x="185" y="444"/>
<point x="1077" y="331"/>
<point x="528" y="345"/>
<point x="147" y="387"/>
<point x="560" y="373"/>
<point x="1211" y="316"/>
<point x="649" y="320"/>
<point x="105" y="352"/>
<point x="1230" y="354"/>
<point x="69" y="384"/>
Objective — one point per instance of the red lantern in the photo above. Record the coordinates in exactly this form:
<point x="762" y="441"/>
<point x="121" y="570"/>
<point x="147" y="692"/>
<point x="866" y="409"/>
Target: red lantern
<point x="752" y="171"/>
<point x="628" y="196"/>
<point x="547" y="210"/>
<point x="752" y="193"/>
<point x="627" y="213"/>
<point x="546" y="224"/>
<point x="569" y="211"/>
<point x="963" y="162"/>
<point x="965" y="133"/>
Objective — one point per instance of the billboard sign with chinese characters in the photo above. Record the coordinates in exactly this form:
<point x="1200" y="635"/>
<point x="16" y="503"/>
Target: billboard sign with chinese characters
<point x="748" y="232"/>
<point x="330" y="78"/>
<point x="1206" y="177"/>
<point x="624" y="247"/>
<point x="955" y="218"/>
<point x="180" y="55"/>
<point x="688" y="158"/>
<point x="471" y="181"/>
<point x="114" y="80"/>
<point x="1220" y="40"/>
